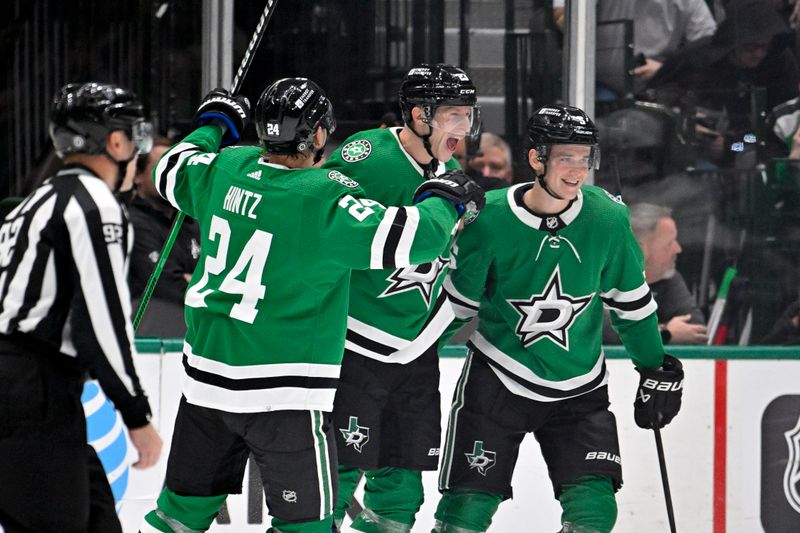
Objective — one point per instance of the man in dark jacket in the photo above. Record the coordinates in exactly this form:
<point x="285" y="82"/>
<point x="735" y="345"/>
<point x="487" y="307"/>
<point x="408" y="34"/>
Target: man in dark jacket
<point x="748" y="50"/>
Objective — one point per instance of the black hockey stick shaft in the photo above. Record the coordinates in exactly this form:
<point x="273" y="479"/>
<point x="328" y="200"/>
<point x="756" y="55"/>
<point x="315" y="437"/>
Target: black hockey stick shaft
<point x="244" y="66"/>
<point x="662" y="463"/>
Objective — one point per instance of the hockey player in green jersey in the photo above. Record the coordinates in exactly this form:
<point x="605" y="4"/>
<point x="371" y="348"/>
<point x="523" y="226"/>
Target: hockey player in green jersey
<point x="266" y="309"/>
<point x="537" y="268"/>
<point x="387" y="409"/>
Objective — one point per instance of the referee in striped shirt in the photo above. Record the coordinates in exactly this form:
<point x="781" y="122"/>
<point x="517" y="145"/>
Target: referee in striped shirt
<point x="65" y="314"/>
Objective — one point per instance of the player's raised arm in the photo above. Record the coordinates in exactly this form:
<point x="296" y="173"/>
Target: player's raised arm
<point x="379" y="237"/>
<point x="218" y="122"/>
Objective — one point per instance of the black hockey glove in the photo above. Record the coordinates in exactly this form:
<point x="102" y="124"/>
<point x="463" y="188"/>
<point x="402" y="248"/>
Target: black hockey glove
<point x="232" y="112"/>
<point x="658" y="398"/>
<point x="455" y="187"/>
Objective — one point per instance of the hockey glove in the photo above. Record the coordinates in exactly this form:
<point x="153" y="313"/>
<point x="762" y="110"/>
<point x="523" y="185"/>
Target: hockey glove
<point x="221" y="108"/>
<point x="658" y="398"/>
<point x="455" y="187"/>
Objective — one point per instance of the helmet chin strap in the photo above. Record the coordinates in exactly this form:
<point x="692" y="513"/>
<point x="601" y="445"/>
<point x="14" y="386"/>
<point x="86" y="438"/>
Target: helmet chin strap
<point x="540" y="179"/>
<point x="433" y="164"/>
<point x="122" y="167"/>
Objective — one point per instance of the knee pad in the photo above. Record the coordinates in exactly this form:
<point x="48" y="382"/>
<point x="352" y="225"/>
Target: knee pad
<point x="466" y="511"/>
<point x="395" y="494"/>
<point x="588" y="505"/>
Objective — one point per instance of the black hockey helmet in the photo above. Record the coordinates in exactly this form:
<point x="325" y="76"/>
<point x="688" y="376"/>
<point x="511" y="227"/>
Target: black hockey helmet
<point x="431" y="86"/>
<point x="289" y="112"/>
<point x="560" y="124"/>
<point x="83" y="115"/>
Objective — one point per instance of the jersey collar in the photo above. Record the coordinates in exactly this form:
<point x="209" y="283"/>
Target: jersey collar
<point x="396" y="135"/>
<point x="77" y="169"/>
<point x="551" y="223"/>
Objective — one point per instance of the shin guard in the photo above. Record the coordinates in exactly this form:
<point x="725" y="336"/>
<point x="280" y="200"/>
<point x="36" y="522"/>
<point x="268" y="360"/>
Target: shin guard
<point x="466" y="511"/>
<point x="183" y="514"/>
<point x="589" y="505"/>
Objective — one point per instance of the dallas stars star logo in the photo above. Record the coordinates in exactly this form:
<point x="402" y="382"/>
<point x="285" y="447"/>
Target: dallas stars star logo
<point x="549" y="314"/>
<point x="355" y="435"/>
<point x="416" y="277"/>
<point x="481" y="459"/>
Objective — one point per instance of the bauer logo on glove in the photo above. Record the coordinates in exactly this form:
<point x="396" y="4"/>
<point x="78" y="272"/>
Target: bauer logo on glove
<point x="658" y="397"/>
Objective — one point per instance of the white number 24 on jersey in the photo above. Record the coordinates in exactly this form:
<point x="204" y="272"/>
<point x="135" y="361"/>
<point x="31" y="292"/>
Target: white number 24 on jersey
<point x="252" y="260"/>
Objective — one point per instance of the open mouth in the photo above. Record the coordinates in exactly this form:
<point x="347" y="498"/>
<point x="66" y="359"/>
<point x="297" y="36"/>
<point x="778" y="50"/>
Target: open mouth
<point x="572" y="183"/>
<point x="451" y="143"/>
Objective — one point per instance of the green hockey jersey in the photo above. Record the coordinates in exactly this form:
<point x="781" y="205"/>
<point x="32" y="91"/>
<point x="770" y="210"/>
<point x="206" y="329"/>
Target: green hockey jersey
<point x="538" y="285"/>
<point x="395" y="314"/>
<point x="266" y="308"/>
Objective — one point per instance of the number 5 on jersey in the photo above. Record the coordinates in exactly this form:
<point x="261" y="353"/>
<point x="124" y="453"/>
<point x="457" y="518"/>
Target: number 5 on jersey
<point x="251" y="262"/>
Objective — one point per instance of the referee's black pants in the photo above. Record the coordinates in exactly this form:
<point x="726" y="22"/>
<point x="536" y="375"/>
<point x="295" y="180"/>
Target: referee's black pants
<point x="51" y="480"/>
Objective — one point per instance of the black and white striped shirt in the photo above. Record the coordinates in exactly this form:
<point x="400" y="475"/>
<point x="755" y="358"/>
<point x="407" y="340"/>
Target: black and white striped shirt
<point x="63" y="269"/>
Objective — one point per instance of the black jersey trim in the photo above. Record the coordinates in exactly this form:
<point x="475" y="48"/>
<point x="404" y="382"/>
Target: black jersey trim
<point x="369" y="344"/>
<point x="540" y="389"/>
<point x="303" y="382"/>
<point x="393" y="238"/>
<point x="435" y="311"/>
<point x="384" y="349"/>
<point x="629" y="306"/>
<point x="458" y="301"/>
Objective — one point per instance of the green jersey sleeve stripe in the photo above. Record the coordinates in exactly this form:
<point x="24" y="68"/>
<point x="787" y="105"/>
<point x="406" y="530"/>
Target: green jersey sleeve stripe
<point x="402" y="257"/>
<point x="167" y="170"/>
<point x="379" y="240"/>
<point x="627" y="296"/>
<point x="393" y="237"/>
<point x="633" y="310"/>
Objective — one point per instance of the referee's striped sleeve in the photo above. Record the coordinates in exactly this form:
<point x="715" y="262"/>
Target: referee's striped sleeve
<point x="101" y="327"/>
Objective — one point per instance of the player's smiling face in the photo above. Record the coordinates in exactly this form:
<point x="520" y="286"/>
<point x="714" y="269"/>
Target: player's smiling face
<point x="449" y="125"/>
<point x="567" y="169"/>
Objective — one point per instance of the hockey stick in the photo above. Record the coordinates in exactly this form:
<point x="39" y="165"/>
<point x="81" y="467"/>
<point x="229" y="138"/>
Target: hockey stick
<point x="662" y="463"/>
<point x="717" y="330"/>
<point x="244" y="66"/>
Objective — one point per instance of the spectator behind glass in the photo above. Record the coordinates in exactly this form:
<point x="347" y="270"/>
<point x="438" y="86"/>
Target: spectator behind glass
<point x="152" y="218"/>
<point x="749" y="49"/>
<point x="679" y="318"/>
<point x="660" y="28"/>
<point x="491" y="164"/>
